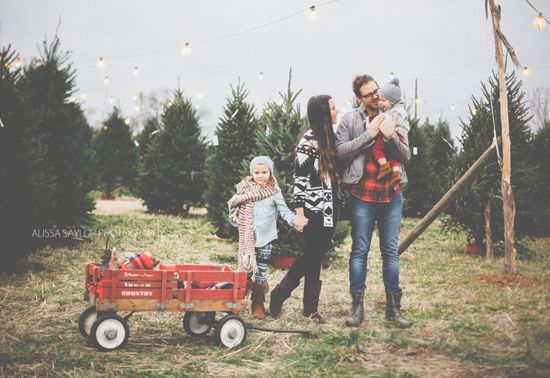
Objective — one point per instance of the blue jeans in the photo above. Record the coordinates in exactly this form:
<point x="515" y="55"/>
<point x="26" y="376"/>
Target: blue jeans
<point x="388" y="218"/>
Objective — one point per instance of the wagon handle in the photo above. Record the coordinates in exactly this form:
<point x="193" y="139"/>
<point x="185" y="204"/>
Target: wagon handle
<point x="109" y="237"/>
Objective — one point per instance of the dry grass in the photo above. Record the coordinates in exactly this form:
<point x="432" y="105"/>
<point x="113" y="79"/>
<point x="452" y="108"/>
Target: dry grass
<point x="468" y="320"/>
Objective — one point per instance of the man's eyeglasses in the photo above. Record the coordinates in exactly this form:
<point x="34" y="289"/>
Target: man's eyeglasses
<point x="369" y="95"/>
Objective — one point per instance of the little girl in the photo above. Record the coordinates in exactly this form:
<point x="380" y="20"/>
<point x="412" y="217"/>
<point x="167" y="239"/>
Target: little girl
<point x="254" y="210"/>
<point x="390" y="101"/>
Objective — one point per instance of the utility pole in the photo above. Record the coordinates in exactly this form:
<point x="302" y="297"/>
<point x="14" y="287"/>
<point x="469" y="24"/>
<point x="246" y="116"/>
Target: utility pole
<point x="416" y="98"/>
<point x="509" y="207"/>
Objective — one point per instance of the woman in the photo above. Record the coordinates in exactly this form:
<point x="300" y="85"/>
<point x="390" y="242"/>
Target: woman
<point x="315" y="198"/>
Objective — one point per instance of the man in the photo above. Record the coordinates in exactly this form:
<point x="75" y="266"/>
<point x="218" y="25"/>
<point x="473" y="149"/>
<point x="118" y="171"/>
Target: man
<point x="372" y="201"/>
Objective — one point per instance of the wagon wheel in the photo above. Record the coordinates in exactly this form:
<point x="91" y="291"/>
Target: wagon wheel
<point x="230" y="331"/>
<point x="198" y="323"/>
<point x="86" y="321"/>
<point x="109" y="332"/>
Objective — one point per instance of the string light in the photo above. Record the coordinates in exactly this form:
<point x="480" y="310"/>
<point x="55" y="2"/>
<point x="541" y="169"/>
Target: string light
<point x="540" y="22"/>
<point x="136" y="143"/>
<point x="186" y="50"/>
<point x="72" y="99"/>
<point x="392" y="76"/>
<point x="111" y="100"/>
<point x="197" y="107"/>
<point x="418" y="100"/>
<point x="137" y="108"/>
<point x="525" y="71"/>
<point x="106" y="80"/>
<point x="83" y="95"/>
<point x="452" y="107"/>
<point x="261" y="76"/>
<point x="126" y="121"/>
<point x="474" y="111"/>
<point x="100" y="63"/>
<point x="313" y="15"/>
<point x="18" y="62"/>
<point x="136" y="71"/>
<point x="169" y="104"/>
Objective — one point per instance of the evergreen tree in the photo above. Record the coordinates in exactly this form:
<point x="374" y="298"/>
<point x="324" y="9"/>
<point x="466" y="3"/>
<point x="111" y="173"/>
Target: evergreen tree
<point x="417" y="191"/>
<point x="28" y="186"/>
<point x="171" y="175"/>
<point x="236" y="142"/>
<point x="151" y="128"/>
<point x="442" y="153"/>
<point x="539" y="201"/>
<point x="116" y="155"/>
<point x="477" y="135"/>
<point x="45" y="89"/>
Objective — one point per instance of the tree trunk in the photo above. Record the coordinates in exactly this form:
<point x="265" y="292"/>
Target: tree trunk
<point x="488" y="237"/>
<point x="506" y="187"/>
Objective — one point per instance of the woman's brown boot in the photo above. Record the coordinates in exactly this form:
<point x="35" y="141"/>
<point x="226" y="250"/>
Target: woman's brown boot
<point x="312" y="291"/>
<point x="280" y="294"/>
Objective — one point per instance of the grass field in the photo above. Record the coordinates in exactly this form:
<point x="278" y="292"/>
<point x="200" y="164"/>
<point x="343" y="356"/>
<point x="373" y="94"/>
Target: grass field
<point x="468" y="319"/>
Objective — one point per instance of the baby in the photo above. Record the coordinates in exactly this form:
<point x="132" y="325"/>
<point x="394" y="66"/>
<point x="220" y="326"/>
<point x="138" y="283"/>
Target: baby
<point x="390" y="102"/>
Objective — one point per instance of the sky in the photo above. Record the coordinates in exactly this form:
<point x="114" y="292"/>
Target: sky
<point x="447" y="45"/>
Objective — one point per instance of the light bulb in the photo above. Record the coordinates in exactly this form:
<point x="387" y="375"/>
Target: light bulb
<point x="474" y="111"/>
<point x="100" y="63"/>
<point x="418" y="100"/>
<point x="261" y="76"/>
<point x="137" y="109"/>
<point x="525" y="71"/>
<point x="452" y="107"/>
<point x="126" y="121"/>
<point x="186" y="50"/>
<point x="106" y="80"/>
<point x="313" y="15"/>
<point x="540" y="22"/>
<point x="111" y="100"/>
<point x="18" y="62"/>
<point x="136" y="70"/>
<point x="83" y="95"/>
<point x="392" y="76"/>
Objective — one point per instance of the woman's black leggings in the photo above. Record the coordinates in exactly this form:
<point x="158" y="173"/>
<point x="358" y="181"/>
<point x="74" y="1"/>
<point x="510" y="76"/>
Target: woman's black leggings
<point x="316" y="243"/>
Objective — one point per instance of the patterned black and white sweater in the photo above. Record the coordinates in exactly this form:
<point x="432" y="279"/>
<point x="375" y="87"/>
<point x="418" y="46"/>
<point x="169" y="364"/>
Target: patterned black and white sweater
<point x="310" y="191"/>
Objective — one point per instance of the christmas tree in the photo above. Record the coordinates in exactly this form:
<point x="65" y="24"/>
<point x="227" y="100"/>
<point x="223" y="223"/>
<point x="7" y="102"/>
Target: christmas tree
<point x="235" y="135"/>
<point x="116" y="155"/>
<point x="171" y="174"/>
<point x="477" y="135"/>
<point x="45" y="89"/>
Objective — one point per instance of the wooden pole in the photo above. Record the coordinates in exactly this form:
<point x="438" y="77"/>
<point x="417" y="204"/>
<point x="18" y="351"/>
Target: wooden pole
<point x="450" y="196"/>
<point x="509" y="208"/>
<point x="415" y="98"/>
<point x="489" y="254"/>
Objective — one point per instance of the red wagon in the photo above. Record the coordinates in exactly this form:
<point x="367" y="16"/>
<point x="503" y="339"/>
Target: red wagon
<point x="198" y="290"/>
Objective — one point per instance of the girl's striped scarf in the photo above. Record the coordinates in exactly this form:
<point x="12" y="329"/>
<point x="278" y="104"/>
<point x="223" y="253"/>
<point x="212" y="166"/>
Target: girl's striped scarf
<point x="248" y="192"/>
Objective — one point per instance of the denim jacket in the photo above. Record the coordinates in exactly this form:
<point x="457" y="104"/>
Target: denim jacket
<point x="265" y="218"/>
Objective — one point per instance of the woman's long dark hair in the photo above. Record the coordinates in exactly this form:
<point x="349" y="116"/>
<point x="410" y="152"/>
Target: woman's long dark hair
<point x="320" y="122"/>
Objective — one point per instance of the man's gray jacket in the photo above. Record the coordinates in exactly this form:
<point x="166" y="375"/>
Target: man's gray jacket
<point x="352" y="142"/>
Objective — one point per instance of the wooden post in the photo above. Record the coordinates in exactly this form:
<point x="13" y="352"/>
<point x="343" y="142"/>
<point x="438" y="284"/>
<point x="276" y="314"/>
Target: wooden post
<point x="415" y="98"/>
<point x="450" y="196"/>
<point x="509" y="208"/>
<point x="489" y="254"/>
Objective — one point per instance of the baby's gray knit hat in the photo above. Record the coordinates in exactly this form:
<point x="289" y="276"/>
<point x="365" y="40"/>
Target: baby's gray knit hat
<point x="392" y="91"/>
<point x="265" y="160"/>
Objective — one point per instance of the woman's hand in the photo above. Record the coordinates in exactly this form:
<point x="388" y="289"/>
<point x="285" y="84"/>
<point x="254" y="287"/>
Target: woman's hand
<point x="300" y="222"/>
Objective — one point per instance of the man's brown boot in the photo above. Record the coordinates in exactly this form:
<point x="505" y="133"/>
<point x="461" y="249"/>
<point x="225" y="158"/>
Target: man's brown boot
<point x="258" y="299"/>
<point x="383" y="171"/>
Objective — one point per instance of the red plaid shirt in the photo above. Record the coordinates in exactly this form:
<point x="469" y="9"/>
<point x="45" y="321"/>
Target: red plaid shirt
<point x="369" y="189"/>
